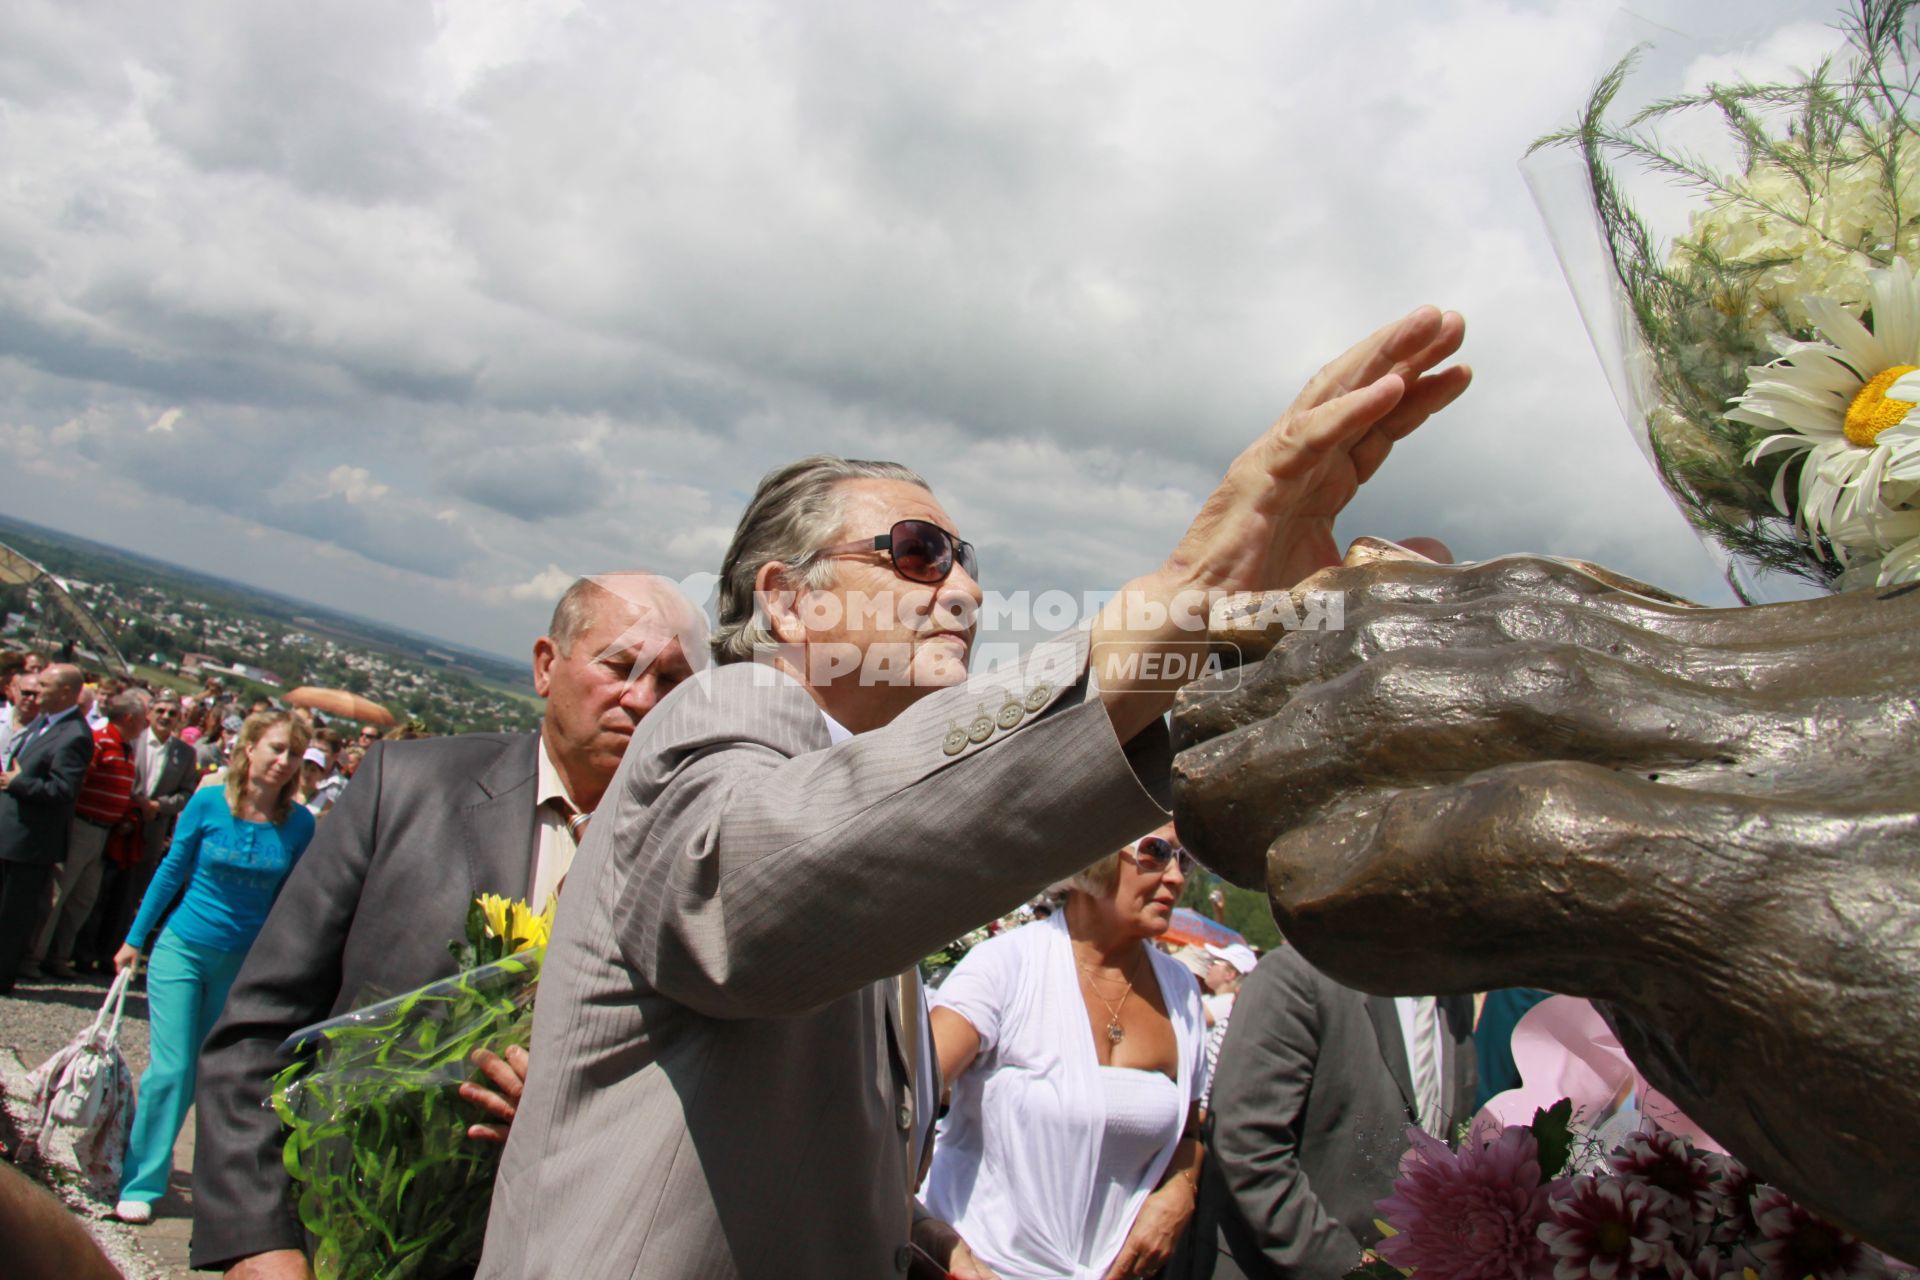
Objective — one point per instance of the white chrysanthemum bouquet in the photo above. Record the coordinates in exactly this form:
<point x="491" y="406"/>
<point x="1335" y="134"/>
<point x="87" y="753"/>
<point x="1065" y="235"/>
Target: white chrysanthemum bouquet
<point x="1781" y="330"/>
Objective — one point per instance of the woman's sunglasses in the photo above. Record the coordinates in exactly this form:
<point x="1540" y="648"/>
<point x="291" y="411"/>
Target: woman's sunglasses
<point x="921" y="550"/>
<point x="1154" y="854"/>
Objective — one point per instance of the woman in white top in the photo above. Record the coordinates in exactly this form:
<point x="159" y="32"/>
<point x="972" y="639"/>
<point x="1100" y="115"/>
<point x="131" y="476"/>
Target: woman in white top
<point x="1076" y="1056"/>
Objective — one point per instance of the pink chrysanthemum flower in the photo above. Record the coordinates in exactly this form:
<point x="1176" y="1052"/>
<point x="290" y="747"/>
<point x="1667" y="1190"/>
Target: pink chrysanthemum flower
<point x="1734" y="1187"/>
<point x="1470" y="1215"/>
<point x="1681" y="1181"/>
<point x="1607" y="1229"/>
<point x="1706" y="1263"/>
<point x="1795" y="1242"/>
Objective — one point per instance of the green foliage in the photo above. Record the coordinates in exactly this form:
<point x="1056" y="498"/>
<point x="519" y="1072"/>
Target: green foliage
<point x="466" y="951"/>
<point x="1707" y="318"/>
<point x="388" y="1182"/>
<point x="1246" y="910"/>
<point x="1376" y="1269"/>
<point x="1553" y="1131"/>
<point x="164" y="679"/>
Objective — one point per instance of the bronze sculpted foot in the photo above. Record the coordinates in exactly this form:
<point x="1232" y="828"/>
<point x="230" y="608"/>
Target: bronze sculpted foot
<point x="1531" y="772"/>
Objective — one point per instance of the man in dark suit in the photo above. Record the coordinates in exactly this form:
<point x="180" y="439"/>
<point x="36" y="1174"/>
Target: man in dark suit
<point x="39" y="781"/>
<point x="425" y="827"/>
<point x="1315" y="1089"/>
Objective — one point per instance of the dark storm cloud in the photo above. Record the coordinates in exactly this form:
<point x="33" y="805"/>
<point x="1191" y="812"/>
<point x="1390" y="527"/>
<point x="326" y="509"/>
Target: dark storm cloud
<point x="532" y="483"/>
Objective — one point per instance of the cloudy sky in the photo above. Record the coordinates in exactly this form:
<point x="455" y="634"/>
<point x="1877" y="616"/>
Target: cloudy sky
<point x="420" y="309"/>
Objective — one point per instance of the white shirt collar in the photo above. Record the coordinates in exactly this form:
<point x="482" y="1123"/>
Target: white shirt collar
<point x="837" y="733"/>
<point x="550" y="782"/>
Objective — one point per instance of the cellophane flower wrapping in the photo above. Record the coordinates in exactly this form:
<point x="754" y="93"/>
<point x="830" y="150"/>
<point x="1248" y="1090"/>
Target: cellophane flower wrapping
<point x="1704" y="233"/>
<point x="388" y="1183"/>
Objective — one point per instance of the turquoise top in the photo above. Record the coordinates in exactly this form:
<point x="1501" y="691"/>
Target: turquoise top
<point x="233" y="870"/>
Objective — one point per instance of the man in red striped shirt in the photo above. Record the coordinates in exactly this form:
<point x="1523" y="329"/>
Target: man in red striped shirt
<point x="105" y="808"/>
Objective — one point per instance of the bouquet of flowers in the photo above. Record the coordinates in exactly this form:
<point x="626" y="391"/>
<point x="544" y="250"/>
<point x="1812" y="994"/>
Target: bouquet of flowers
<point x="1553" y="1199"/>
<point x="1777" y="375"/>
<point x="389" y="1184"/>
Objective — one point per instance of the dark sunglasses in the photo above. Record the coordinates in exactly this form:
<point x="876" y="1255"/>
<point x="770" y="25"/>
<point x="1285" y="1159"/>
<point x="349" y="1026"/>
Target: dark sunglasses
<point x="1153" y="855"/>
<point x="921" y="550"/>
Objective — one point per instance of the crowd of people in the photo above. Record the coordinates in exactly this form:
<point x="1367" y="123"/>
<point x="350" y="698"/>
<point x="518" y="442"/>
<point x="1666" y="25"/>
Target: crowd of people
<point x="754" y="836"/>
<point x="126" y="755"/>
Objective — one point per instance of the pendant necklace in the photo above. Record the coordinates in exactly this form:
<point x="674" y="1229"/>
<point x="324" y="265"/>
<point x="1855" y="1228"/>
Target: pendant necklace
<point x="1115" y="1032"/>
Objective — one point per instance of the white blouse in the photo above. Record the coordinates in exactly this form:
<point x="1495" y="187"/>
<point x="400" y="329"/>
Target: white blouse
<point x="1045" y="1156"/>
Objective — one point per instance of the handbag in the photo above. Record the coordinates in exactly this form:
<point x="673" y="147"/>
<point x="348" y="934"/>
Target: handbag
<point x="81" y="1100"/>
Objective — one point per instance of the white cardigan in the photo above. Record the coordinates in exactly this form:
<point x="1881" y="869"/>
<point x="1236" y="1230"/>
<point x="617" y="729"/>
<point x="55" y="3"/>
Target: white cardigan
<point x="1014" y="1161"/>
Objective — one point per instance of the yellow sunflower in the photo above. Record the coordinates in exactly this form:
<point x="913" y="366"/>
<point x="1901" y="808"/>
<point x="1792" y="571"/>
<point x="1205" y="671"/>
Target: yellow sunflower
<point x="494" y="909"/>
<point x="531" y="928"/>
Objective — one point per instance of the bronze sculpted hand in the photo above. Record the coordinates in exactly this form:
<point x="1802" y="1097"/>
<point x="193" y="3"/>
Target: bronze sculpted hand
<point x="1534" y="773"/>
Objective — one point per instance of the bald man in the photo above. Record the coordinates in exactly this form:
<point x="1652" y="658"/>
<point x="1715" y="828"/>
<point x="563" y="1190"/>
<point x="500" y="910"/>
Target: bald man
<point x="425" y="828"/>
<point x="40" y="779"/>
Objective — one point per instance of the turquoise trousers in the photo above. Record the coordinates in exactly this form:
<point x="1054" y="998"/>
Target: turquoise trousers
<point x="186" y="988"/>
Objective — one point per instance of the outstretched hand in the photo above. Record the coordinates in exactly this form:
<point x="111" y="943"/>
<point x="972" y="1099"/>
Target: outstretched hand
<point x="1270" y="522"/>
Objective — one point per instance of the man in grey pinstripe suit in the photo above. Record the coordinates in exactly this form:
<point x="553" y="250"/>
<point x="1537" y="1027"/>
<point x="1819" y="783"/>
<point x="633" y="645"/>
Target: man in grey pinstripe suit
<point x="723" y="1081"/>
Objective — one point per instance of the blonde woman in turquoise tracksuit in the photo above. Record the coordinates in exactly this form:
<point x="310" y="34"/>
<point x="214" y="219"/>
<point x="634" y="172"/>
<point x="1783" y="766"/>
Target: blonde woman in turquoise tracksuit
<point x="232" y="850"/>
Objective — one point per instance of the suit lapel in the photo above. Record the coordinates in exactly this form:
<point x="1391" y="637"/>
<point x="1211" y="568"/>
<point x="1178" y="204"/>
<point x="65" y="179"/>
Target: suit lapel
<point x="26" y="740"/>
<point x="501" y="824"/>
<point x="1456" y="1014"/>
<point x="1385" y="1016"/>
<point x="910" y="1049"/>
<point x="179" y="764"/>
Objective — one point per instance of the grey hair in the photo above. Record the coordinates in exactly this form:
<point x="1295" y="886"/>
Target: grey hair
<point x="793" y="513"/>
<point x="127" y="703"/>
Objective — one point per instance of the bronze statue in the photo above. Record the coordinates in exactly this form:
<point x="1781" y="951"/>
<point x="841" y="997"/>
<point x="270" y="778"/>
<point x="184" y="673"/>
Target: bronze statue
<point x="1531" y="772"/>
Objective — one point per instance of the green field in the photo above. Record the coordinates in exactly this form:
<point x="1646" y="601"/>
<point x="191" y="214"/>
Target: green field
<point x="518" y="694"/>
<point x="160" y="679"/>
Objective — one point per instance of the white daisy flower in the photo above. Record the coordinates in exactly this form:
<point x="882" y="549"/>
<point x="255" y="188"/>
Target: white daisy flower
<point x="1902" y="564"/>
<point x="1899" y="533"/>
<point x="1852" y="404"/>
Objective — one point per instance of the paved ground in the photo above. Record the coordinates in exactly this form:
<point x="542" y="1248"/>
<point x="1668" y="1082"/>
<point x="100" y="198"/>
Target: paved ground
<point x="37" y="1019"/>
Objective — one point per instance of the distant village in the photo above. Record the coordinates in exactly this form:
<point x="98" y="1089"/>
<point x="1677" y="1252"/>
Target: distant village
<point x="183" y="641"/>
